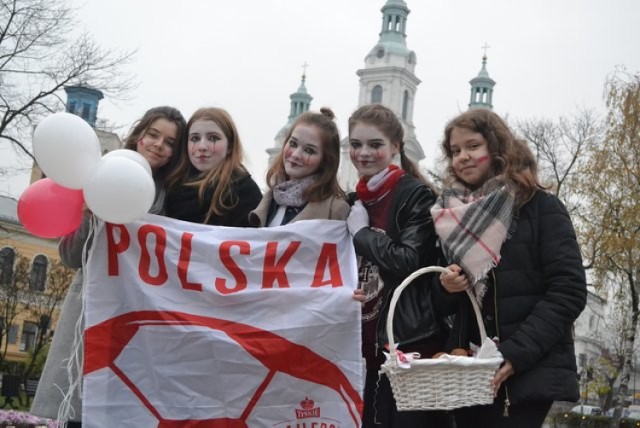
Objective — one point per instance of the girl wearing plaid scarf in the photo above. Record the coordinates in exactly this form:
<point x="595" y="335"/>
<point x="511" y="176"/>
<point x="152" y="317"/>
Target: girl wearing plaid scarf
<point x="514" y="245"/>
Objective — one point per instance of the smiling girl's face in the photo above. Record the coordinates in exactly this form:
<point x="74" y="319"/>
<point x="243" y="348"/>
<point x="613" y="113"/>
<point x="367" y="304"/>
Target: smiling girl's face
<point x="157" y="143"/>
<point x="470" y="156"/>
<point x="303" y="152"/>
<point x="371" y="151"/>
<point x="207" y="145"/>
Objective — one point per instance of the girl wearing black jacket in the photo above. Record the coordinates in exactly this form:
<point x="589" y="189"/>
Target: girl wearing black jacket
<point x="514" y="245"/>
<point x="393" y="236"/>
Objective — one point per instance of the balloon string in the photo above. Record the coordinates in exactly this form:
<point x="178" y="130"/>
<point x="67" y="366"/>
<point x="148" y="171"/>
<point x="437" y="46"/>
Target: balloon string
<point x="75" y="361"/>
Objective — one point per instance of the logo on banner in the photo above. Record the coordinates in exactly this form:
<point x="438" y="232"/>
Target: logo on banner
<point x="308" y="416"/>
<point x="307" y="410"/>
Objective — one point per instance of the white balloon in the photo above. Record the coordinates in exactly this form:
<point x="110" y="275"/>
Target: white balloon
<point x="133" y="155"/>
<point x="120" y="190"/>
<point x="67" y="149"/>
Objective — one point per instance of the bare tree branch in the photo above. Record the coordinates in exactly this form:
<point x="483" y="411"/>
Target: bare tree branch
<point x="39" y="56"/>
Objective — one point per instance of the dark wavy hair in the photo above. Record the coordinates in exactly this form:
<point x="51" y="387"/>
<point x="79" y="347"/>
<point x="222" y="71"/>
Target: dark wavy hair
<point x="327" y="183"/>
<point x="140" y="128"/>
<point x="510" y="156"/>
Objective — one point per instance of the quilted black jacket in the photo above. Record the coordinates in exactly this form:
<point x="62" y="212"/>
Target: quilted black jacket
<point x="539" y="290"/>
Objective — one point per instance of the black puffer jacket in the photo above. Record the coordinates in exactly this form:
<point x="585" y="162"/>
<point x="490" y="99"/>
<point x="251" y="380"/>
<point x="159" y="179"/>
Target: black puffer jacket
<point x="409" y="244"/>
<point x="539" y="290"/>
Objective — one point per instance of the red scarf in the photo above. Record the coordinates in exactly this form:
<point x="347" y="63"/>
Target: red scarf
<point x="379" y="185"/>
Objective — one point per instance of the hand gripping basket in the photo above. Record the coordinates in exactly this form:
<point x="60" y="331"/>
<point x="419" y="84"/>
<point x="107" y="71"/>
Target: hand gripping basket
<point x="443" y="383"/>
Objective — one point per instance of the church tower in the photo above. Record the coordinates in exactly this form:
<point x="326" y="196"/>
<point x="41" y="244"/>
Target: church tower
<point x="300" y="103"/>
<point x="482" y="88"/>
<point x="83" y="101"/>
<point x="388" y="78"/>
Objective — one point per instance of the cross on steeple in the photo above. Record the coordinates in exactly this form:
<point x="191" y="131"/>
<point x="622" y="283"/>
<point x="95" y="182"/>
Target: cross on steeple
<point x="485" y="47"/>
<point x="304" y="69"/>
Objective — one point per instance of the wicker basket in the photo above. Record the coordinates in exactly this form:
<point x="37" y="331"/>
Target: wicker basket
<point x="442" y="383"/>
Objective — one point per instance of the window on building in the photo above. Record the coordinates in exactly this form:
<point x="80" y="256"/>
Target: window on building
<point x="582" y="360"/>
<point x="86" y="111"/>
<point x="71" y="107"/>
<point x="38" y="275"/>
<point x="376" y="94"/>
<point x="7" y="259"/>
<point x="29" y="332"/>
<point x="405" y="105"/>
<point x="13" y="334"/>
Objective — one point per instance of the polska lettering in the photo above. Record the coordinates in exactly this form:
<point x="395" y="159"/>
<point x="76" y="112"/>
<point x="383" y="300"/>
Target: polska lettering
<point x="230" y="266"/>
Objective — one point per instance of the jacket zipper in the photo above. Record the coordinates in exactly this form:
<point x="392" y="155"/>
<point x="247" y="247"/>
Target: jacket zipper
<point x="388" y="299"/>
<point x="505" y="412"/>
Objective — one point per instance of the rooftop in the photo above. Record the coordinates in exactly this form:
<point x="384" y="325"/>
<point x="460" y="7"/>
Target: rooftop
<point x="9" y="209"/>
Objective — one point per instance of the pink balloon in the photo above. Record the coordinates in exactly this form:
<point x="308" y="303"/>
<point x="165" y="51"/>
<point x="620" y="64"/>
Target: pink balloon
<point x="48" y="210"/>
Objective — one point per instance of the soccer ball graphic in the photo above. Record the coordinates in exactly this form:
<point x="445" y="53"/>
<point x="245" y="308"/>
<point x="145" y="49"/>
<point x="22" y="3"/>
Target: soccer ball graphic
<point x="246" y="358"/>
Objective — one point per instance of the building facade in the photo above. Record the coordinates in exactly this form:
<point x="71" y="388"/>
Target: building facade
<point x="16" y="241"/>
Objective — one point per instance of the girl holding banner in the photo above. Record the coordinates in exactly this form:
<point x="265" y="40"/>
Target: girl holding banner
<point x="155" y="136"/>
<point x="393" y="235"/>
<point x="303" y="181"/>
<point x="210" y="184"/>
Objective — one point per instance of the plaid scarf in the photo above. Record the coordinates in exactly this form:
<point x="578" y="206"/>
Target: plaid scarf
<point x="472" y="225"/>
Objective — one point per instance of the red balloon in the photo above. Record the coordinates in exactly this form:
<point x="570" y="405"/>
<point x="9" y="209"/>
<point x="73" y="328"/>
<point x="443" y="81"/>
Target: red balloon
<point x="48" y="210"/>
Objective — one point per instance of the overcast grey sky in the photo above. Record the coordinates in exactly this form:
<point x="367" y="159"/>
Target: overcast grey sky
<point x="548" y="58"/>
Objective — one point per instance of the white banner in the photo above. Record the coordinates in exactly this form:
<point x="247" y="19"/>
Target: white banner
<point x="189" y="325"/>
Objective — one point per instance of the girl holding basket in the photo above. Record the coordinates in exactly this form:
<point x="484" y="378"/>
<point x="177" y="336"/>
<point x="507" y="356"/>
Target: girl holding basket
<point x="393" y="236"/>
<point x="513" y="244"/>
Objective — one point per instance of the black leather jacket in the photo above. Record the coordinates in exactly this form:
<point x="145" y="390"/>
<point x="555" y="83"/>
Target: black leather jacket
<point x="409" y="244"/>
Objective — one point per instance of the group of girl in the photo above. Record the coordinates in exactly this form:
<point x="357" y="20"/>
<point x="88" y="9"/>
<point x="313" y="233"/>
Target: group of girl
<point x="494" y="225"/>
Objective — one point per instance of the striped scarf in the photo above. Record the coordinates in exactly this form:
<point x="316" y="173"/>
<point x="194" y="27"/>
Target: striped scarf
<point x="472" y="225"/>
<point x="379" y="185"/>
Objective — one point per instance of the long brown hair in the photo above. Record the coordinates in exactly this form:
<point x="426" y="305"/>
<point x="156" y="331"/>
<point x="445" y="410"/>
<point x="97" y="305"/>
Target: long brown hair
<point x="510" y="156"/>
<point x="327" y="183"/>
<point x="220" y="177"/>
<point x="140" y="128"/>
<point x="388" y="123"/>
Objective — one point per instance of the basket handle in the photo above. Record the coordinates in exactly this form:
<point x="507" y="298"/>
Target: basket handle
<point x="407" y="281"/>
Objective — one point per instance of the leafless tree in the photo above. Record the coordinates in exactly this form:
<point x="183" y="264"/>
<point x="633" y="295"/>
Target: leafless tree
<point x="560" y="147"/>
<point x="40" y="54"/>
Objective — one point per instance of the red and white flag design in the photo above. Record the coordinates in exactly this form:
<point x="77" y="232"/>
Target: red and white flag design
<point x="189" y="325"/>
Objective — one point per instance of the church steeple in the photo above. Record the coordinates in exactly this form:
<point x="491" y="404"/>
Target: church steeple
<point x="482" y="87"/>
<point x="300" y="100"/>
<point x="300" y="103"/>
<point x="388" y="78"/>
<point x="394" y="22"/>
